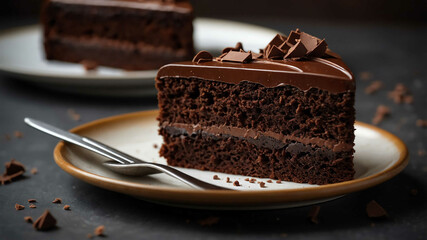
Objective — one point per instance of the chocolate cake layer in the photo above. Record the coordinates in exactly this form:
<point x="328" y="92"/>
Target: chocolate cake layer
<point x="134" y="35"/>
<point x="284" y="110"/>
<point x="293" y="161"/>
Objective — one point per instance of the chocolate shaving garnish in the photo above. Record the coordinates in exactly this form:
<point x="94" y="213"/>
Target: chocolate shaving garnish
<point x="45" y="222"/>
<point x="374" y="210"/>
<point x="19" y="206"/>
<point x="240" y="57"/>
<point x="275" y="53"/>
<point x="34" y="171"/>
<point x="215" y="177"/>
<point x="309" y="42"/>
<point x="32" y="206"/>
<point x="313" y="214"/>
<point x="401" y="94"/>
<point x="253" y="180"/>
<point x="373" y="87"/>
<point x="67" y="207"/>
<point x="262" y="184"/>
<point x="319" y="50"/>
<point x="99" y="231"/>
<point x="238" y="48"/>
<point x="421" y="123"/>
<point x="208" y="221"/>
<point x="202" y="56"/>
<point x="330" y="54"/>
<point x="228" y="180"/>
<point x="14" y="169"/>
<point x="31" y="200"/>
<point x="256" y="55"/>
<point x="236" y="183"/>
<point x="57" y="200"/>
<point x="28" y="219"/>
<point x="293" y="36"/>
<point x="297" y="51"/>
<point x="382" y="112"/>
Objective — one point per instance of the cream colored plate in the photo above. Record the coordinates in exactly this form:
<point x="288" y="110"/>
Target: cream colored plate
<point x="22" y="56"/>
<point x="379" y="156"/>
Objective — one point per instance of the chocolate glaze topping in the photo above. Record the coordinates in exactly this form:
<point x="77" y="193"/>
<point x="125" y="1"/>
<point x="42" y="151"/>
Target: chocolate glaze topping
<point x="300" y="60"/>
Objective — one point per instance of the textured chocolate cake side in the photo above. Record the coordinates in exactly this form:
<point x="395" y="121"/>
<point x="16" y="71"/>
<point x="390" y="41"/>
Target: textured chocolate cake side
<point x="251" y="114"/>
<point x="128" y="34"/>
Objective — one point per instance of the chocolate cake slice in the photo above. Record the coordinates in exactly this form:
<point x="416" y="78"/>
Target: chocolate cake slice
<point x="127" y="34"/>
<point x="285" y="113"/>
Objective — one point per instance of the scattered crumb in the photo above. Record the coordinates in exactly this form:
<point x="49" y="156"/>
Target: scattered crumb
<point x="382" y="112"/>
<point x="365" y="75"/>
<point x="269" y="181"/>
<point x="414" y="192"/>
<point x="155" y="145"/>
<point x="34" y="171"/>
<point x="72" y="113"/>
<point x="401" y="94"/>
<point x="247" y="179"/>
<point x="67" y="207"/>
<point x="89" y="65"/>
<point x="31" y="200"/>
<point x="28" y="219"/>
<point x="215" y="177"/>
<point x="262" y="184"/>
<point x="7" y="137"/>
<point x="14" y="169"/>
<point x="99" y="231"/>
<point x="32" y="206"/>
<point x="373" y="87"/>
<point x="421" y="123"/>
<point x="18" y="134"/>
<point x="45" y="222"/>
<point x="236" y="183"/>
<point x="279" y="181"/>
<point x="374" y="210"/>
<point x="208" y="221"/>
<point x="19" y="206"/>
<point x="228" y="180"/>
<point x="421" y="153"/>
<point x="313" y="214"/>
<point x="89" y="235"/>
<point x="57" y="200"/>
<point x="253" y="180"/>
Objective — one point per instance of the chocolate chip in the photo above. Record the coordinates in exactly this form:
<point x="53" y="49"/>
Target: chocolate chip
<point x="313" y="214"/>
<point x="67" y="207"/>
<point x="208" y="221"/>
<point x="228" y="180"/>
<point x="57" y="200"/>
<point x="373" y="87"/>
<point x="262" y="184"/>
<point x="32" y="206"/>
<point x="374" y="210"/>
<point x="247" y="179"/>
<point x="202" y="56"/>
<point x="237" y="48"/>
<point x="236" y="183"/>
<point x="215" y="177"/>
<point x="269" y="181"/>
<point x="240" y="57"/>
<point x="382" y="112"/>
<point x="31" y="200"/>
<point x="155" y="145"/>
<point x="19" y="207"/>
<point x="99" y="231"/>
<point x="28" y="219"/>
<point x="45" y="222"/>
<point x="253" y="180"/>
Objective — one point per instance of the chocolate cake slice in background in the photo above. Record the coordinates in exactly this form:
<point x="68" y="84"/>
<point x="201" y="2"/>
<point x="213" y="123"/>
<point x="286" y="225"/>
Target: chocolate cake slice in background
<point x="286" y="113"/>
<point x="128" y="34"/>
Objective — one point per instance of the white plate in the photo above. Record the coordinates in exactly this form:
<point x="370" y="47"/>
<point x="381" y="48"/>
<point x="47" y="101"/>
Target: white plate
<point x="379" y="156"/>
<point x="22" y="56"/>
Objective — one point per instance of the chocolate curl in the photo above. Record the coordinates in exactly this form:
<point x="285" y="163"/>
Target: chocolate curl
<point x="240" y="57"/>
<point x="238" y="47"/>
<point x="202" y="56"/>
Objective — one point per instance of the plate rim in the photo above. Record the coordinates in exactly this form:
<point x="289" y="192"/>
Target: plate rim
<point x="221" y="197"/>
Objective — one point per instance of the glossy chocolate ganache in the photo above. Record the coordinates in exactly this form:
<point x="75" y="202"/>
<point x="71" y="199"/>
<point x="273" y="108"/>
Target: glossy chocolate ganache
<point x="299" y="60"/>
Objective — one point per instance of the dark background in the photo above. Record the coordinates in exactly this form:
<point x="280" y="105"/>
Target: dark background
<point x="386" y="39"/>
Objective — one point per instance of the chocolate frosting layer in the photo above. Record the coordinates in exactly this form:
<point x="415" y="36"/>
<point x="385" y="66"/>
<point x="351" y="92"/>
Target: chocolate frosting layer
<point x="327" y="74"/>
<point x="251" y="134"/>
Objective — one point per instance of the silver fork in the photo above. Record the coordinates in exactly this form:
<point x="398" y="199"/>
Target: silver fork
<point x="122" y="163"/>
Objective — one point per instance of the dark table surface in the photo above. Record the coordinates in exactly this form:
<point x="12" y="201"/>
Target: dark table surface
<point x="393" y="53"/>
